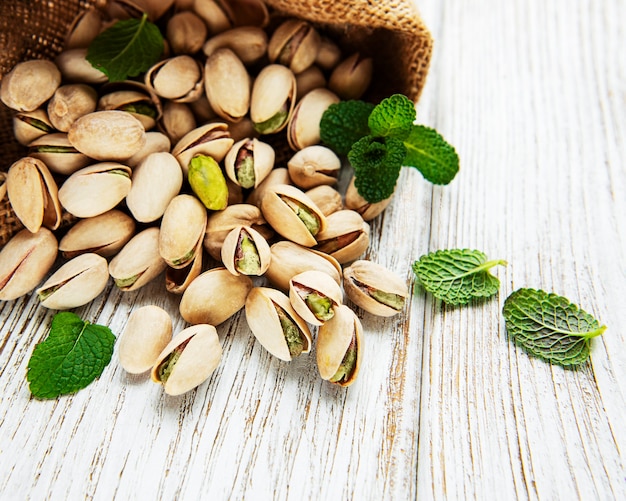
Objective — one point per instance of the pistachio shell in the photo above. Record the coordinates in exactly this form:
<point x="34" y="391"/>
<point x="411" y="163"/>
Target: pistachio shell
<point x="155" y="142"/>
<point x="70" y="102"/>
<point x="273" y="99"/>
<point x="246" y="252"/>
<point x="178" y="279"/>
<point x="146" y="334"/>
<point x="356" y="202"/>
<point x="210" y="139"/>
<point x="24" y="262"/>
<point x="182" y="226"/>
<point x="214" y="296"/>
<point x="295" y="44"/>
<point x="186" y="32"/>
<point x="248" y="42"/>
<point x="30" y="125"/>
<point x="84" y="29"/>
<point x="314" y="295"/>
<point x="278" y="175"/>
<point x="309" y="79"/>
<point x="304" y="124"/>
<point x="179" y="78"/>
<point x="313" y="166"/>
<point x="327" y="198"/>
<point x="56" y="151"/>
<point x="75" y="67"/>
<point x="328" y="54"/>
<point x="75" y="283"/>
<point x="249" y="162"/>
<point x="191" y="357"/>
<point x="227" y="84"/>
<point x="135" y="100"/>
<point x="177" y="120"/>
<point x="217" y="15"/>
<point x="351" y="78"/>
<point x="346" y="237"/>
<point x="29" y="84"/>
<point x="250" y="13"/>
<point x="264" y="309"/>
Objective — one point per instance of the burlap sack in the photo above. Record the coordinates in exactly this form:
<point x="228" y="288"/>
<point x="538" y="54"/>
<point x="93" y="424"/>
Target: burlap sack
<point x="390" y="31"/>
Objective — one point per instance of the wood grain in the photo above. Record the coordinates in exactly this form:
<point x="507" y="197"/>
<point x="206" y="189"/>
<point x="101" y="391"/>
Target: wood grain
<point x="533" y="96"/>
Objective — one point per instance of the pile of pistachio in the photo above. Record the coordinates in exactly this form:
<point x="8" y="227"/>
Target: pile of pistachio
<point x="161" y="171"/>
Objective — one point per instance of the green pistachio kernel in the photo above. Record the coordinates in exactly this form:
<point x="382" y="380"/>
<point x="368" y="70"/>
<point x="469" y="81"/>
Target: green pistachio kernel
<point x="347" y="366"/>
<point x="293" y="336"/>
<point x="310" y="219"/>
<point x="141" y="109"/>
<point x="320" y="305"/>
<point x="247" y="260"/>
<point x="274" y="123"/>
<point x="208" y="182"/>
<point x="245" y="172"/>
<point x="124" y="283"/>
<point x="53" y="149"/>
<point x="395" y="301"/>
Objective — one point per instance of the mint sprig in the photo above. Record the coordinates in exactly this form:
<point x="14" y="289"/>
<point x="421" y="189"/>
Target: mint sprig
<point x="344" y="123"/>
<point x="393" y="117"/>
<point x="430" y="154"/>
<point x="550" y="327"/>
<point x="72" y="356"/>
<point x="126" y="49"/>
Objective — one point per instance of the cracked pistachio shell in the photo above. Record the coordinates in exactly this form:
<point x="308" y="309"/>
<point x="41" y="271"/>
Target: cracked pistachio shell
<point x="217" y="15"/>
<point x="326" y="293"/>
<point x="356" y="202"/>
<point x="374" y="288"/>
<point x="294" y="44"/>
<point x="214" y="296"/>
<point x="29" y="84"/>
<point x="154" y="8"/>
<point x="351" y="78"/>
<point x="95" y="189"/>
<point x="155" y="142"/>
<point x="227" y="85"/>
<point x="182" y="226"/>
<point x="313" y="166"/>
<point x="186" y="32"/>
<point x="273" y="98"/>
<point x="341" y="333"/>
<point x="178" y="78"/>
<point x="223" y="222"/>
<point x="309" y="79"/>
<point x="178" y="279"/>
<point x="290" y="259"/>
<point x="264" y="308"/>
<point x="327" y="198"/>
<point x="138" y="262"/>
<point x="292" y="214"/>
<point x="278" y="175"/>
<point x="177" y="120"/>
<point x="75" y="283"/>
<point x="140" y="104"/>
<point x="33" y="194"/>
<point x="249" y="162"/>
<point x="146" y="334"/>
<point x="56" y="151"/>
<point x="24" y="262"/>
<point x="84" y="29"/>
<point x="248" y="42"/>
<point x="304" y="124"/>
<point x="212" y="139"/>
<point x="110" y="135"/>
<point x="70" y="102"/>
<point x="155" y="182"/>
<point x="104" y="234"/>
<point x="188" y="359"/>
<point x="246" y="252"/>
<point x="75" y="67"/>
<point x="30" y="125"/>
<point x="250" y="13"/>
<point x="346" y="237"/>
<point x="207" y="181"/>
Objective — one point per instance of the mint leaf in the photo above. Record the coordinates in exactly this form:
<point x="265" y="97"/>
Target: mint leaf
<point x="429" y="153"/>
<point x="457" y="275"/>
<point x="550" y="327"/>
<point x="392" y="117"/>
<point x="70" y="358"/>
<point x="344" y="123"/>
<point x="126" y="49"/>
<point x="377" y="163"/>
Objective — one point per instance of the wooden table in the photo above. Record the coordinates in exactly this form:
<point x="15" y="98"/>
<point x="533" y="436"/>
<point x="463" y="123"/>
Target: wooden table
<point x="533" y="96"/>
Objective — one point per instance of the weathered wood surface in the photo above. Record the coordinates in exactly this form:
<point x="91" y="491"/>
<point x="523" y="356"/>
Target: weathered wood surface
<point x="533" y="96"/>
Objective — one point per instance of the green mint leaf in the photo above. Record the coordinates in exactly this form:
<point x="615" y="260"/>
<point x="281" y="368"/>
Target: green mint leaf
<point x="457" y="275"/>
<point x="126" y="49"/>
<point x="377" y="163"/>
<point x="344" y="123"/>
<point x="429" y="153"/>
<point x="550" y="327"/>
<point x="70" y="358"/>
<point x="392" y="117"/>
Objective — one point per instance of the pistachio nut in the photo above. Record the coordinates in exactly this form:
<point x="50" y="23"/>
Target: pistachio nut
<point x="33" y="194"/>
<point x="177" y="120"/>
<point x="155" y="142"/>
<point x="292" y="214"/>
<point x="227" y="84"/>
<point x="179" y="78"/>
<point x="346" y="237"/>
<point x="104" y="234"/>
<point x="223" y="222"/>
<point x="351" y="78"/>
<point x="217" y="14"/>
<point x="147" y="332"/>
<point x="188" y="359"/>
<point x="186" y="32"/>
<point x="250" y="13"/>
<point x="95" y="189"/>
<point x="276" y="325"/>
<point x="314" y="295"/>
<point x="353" y="200"/>
<point x="248" y="162"/>
<point x="207" y="181"/>
<point x="248" y="42"/>
<point x="24" y="262"/>
<point x="138" y="102"/>
<point x="155" y="182"/>
<point x="246" y="252"/>
<point x="75" y="67"/>
<point x="327" y="198"/>
<point x="290" y="259"/>
<point x="138" y="262"/>
<point x="313" y="166"/>
<point x="109" y="135"/>
<point x="56" y="151"/>
<point x="29" y="84"/>
<point x="202" y="111"/>
<point x="211" y="139"/>
<point x="294" y="44"/>
<point x="75" y="283"/>
<point x="214" y="296"/>
<point x="278" y="175"/>
<point x="304" y="124"/>
<point x="339" y="347"/>
<point x="178" y="279"/>
<point x="84" y="29"/>
<point x="273" y="98"/>
<point x="328" y="54"/>
<point x="309" y="79"/>
<point x="375" y="288"/>
<point x="30" y="125"/>
<point x="155" y="9"/>
<point x="182" y="226"/>
<point x="70" y="102"/>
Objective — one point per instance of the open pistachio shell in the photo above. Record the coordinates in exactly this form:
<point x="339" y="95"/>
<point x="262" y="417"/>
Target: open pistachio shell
<point x="249" y="162"/>
<point x="182" y="227"/>
<point x="313" y="166"/>
<point x="295" y="44"/>
<point x="178" y="279"/>
<point x="351" y="78"/>
<point x="56" y="151"/>
<point x="75" y="283"/>
<point x="248" y="42"/>
<point x="346" y="237"/>
<point x="276" y="325"/>
<point x="135" y="100"/>
<point x="304" y="124"/>
<point x="217" y="15"/>
<point x="188" y="359"/>
<point x="212" y="139"/>
<point x="314" y="295"/>
<point x="84" y="29"/>
<point x="30" y="125"/>
<point x="227" y="84"/>
<point x="278" y="175"/>
<point x="179" y="79"/>
<point x="29" y="84"/>
<point x="246" y="252"/>
<point x="339" y="347"/>
<point x="273" y="99"/>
